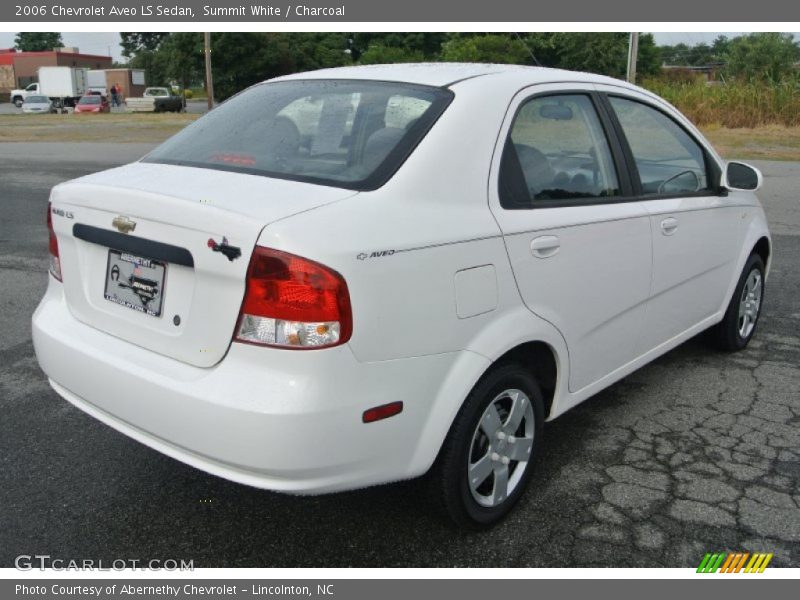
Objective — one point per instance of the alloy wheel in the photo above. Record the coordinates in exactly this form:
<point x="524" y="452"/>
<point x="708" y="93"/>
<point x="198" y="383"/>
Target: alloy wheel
<point x="750" y="304"/>
<point x="501" y="447"/>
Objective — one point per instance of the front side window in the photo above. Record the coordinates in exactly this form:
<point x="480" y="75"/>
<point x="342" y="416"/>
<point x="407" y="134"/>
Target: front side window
<point x="668" y="159"/>
<point x="556" y="151"/>
<point x="343" y="133"/>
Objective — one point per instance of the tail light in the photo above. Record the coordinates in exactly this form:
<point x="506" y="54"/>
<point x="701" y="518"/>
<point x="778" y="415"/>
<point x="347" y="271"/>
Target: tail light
<point x="293" y="302"/>
<point x="55" y="262"/>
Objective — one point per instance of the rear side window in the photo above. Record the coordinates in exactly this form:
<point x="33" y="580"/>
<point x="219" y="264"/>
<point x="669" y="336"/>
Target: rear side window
<point x="668" y="159"/>
<point x="557" y="152"/>
<point x="351" y="134"/>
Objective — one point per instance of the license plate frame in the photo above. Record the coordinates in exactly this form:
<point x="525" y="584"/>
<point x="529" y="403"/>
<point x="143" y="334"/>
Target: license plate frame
<point x="135" y="282"/>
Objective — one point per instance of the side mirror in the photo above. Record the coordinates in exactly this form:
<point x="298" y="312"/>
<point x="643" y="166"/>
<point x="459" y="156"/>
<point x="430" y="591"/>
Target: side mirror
<point x="741" y="177"/>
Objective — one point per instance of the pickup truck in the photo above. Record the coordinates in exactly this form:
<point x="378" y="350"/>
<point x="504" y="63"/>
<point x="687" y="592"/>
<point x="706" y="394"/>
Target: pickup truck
<point x="155" y="99"/>
<point x="18" y="96"/>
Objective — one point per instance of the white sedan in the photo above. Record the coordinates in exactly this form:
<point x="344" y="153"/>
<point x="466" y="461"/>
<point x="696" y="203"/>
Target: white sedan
<point x="37" y="104"/>
<point x="355" y="276"/>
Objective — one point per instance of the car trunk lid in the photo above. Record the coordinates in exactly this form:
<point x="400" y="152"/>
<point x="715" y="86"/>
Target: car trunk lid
<point x="157" y="254"/>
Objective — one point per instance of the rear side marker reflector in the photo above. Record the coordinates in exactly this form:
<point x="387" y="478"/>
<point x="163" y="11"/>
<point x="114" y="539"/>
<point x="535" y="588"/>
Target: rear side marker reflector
<point x="382" y="412"/>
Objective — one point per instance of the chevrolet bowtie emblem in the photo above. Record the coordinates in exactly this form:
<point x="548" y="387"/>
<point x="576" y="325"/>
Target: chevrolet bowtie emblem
<point x="123" y="224"/>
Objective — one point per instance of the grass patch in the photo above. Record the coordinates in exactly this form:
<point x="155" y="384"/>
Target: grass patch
<point x="114" y="127"/>
<point x="734" y="105"/>
<point x="769" y="142"/>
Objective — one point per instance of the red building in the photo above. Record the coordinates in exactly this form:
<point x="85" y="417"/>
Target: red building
<point x="18" y="69"/>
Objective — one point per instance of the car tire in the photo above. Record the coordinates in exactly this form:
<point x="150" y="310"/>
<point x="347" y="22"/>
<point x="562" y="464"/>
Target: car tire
<point x="738" y="325"/>
<point x="18" y="102"/>
<point x="475" y="480"/>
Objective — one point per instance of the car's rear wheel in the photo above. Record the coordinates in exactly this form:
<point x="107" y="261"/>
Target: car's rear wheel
<point x="738" y="325"/>
<point x="17" y="102"/>
<point x="487" y="459"/>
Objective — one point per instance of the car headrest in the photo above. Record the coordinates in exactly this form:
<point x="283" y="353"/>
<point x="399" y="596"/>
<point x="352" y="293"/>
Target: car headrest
<point x="380" y="144"/>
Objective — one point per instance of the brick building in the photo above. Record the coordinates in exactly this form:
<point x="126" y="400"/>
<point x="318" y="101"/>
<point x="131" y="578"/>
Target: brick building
<point x="18" y="69"/>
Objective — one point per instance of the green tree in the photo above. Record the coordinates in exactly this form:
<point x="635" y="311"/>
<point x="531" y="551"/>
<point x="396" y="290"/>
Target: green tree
<point x="720" y="47"/>
<point x="605" y="53"/>
<point x="762" y="57"/>
<point x="316" y="51"/>
<point x="148" y="61"/>
<point x="240" y="59"/>
<point x="488" y="48"/>
<point x="649" y="61"/>
<point x="37" y="41"/>
<point x="181" y="59"/>
<point x="135" y="42"/>
<point x="378" y="54"/>
<point x="429" y="45"/>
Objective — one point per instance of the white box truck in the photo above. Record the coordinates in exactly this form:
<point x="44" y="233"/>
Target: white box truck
<point x="96" y="81"/>
<point x="63" y="85"/>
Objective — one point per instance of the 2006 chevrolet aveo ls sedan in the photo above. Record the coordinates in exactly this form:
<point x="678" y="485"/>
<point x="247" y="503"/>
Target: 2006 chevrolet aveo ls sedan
<point x="354" y="276"/>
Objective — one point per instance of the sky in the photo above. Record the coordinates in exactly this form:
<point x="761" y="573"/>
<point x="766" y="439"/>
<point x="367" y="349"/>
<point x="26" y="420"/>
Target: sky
<point x="103" y="43"/>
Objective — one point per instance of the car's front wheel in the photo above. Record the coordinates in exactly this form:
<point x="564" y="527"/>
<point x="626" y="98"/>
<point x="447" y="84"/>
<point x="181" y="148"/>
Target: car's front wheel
<point x="487" y="458"/>
<point x="741" y="317"/>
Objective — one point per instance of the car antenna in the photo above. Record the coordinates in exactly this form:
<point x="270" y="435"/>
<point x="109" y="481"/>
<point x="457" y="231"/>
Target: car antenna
<point x="528" y="48"/>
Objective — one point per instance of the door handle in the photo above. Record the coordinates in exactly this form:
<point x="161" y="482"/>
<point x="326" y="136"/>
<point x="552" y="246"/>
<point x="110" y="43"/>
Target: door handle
<point x="545" y="246"/>
<point x="669" y="225"/>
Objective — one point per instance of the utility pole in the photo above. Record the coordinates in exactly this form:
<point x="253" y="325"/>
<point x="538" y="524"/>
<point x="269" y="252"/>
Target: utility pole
<point x="209" y="80"/>
<point x="633" y="52"/>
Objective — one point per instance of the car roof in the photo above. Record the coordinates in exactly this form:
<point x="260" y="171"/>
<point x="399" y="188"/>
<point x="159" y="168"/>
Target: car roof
<point x="446" y="74"/>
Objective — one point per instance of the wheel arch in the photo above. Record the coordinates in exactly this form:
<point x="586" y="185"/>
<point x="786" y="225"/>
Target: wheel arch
<point x="518" y="336"/>
<point x="756" y="240"/>
<point x="541" y="360"/>
<point x="763" y="248"/>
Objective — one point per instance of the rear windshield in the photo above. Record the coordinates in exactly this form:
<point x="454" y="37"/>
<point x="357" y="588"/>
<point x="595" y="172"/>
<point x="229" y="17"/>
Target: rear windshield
<point x="90" y="100"/>
<point x="342" y="133"/>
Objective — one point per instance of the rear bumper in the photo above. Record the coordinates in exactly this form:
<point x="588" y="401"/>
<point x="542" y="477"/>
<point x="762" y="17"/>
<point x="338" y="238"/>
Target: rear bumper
<point x="276" y="419"/>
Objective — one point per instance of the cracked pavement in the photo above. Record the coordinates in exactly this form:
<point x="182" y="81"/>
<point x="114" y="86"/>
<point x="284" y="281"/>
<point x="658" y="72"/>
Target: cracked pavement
<point x="698" y="451"/>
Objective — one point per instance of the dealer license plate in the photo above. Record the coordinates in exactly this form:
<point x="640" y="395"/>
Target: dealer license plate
<point x="135" y="282"/>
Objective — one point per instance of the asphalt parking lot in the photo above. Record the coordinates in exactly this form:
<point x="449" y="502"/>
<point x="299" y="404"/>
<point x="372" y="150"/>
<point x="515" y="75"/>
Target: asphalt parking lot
<point x="698" y="451"/>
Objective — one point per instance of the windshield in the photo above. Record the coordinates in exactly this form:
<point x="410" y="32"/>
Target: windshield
<point x="37" y="100"/>
<point x="90" y="100"/>
<point x="351" y="134"/>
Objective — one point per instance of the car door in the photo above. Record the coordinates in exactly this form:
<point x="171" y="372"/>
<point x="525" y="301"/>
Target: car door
<point x="579" y="244"/>
<point x="697" y="230"/>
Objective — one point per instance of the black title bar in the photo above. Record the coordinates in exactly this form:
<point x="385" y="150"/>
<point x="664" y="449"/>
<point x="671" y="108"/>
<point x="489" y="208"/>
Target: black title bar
<point x="440" y="11"/>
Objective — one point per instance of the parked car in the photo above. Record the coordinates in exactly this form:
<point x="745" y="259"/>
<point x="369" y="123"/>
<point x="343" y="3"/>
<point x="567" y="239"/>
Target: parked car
<point x="355" y="276"/>
<point x="93" y="103"/>
<point x="37" y="104"/>
<point x="155" y="99"/>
